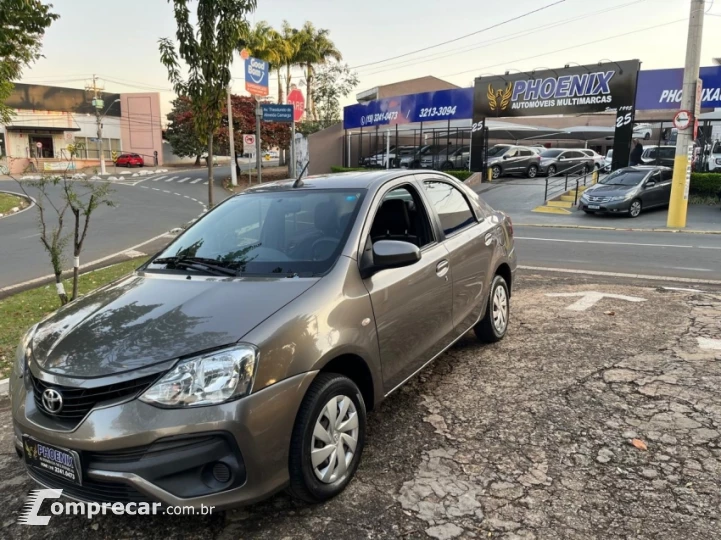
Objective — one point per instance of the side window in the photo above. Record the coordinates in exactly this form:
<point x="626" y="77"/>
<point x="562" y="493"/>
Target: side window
<point x="450" y="205"/>
<point x="655" y="177"/>
<point x="526" y="153"/>
<point x="669" y="152"/>
<point x="402" y="216"/>
<point x="666" y="176"/>
<point x="512" y="153"/>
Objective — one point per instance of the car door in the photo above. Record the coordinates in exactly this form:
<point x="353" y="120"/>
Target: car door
<point x="470" y="243"/>
<point x="652" y="191"/>
<point x="413" y="305"/>
<point x="525" y="158"/>
<point x="666" y="182"/>
<point x="564" y="161"/>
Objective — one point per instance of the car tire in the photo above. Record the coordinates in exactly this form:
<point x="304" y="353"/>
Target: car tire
<point x="532" y="171"/>
<point x="635" y="209"/>
<point x="496" y="172"/>
<point x="585" y="170"/>
<point x="490" y="329"/>
<point x="305" y="483"/>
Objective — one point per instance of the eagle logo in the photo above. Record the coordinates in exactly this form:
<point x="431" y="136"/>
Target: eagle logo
<point x="500" y="99"/>
<point x="31" y="450"/>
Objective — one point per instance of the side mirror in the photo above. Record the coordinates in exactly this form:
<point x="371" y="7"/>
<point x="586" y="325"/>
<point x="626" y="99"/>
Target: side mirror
<point x="561" y="158"/>
<point x="650" y="183"/>
<point x="505" y="156"/>
<point x="391" y="254"/>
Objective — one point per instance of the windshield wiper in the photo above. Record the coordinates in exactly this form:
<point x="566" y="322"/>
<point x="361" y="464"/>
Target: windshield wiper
<point x="210" y="265"/>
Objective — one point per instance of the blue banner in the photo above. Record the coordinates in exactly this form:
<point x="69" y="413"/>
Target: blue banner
<point x="277" y="113"/>
<point x="440" y="105"/>
<point x="256" y="76"/>
<point x="661" y="88"/>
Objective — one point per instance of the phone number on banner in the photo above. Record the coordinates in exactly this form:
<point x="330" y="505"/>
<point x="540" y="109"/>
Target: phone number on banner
<point x="370" y="119"/>
<point x="430" y="112"/>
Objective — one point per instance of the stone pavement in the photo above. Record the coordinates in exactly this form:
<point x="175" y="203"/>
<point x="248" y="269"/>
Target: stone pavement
<point x="600" y="423"/>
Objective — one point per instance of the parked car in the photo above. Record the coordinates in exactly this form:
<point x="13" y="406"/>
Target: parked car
<point x="642" y="131"/>
<point x="130" y="160"/>
<point x="243" y="358"/>
<point x="379" y="160"/>
<point x="510" y="159"/>
<point x="713" y="161"/>
<point x="659" y="155"/>
<point x="629" y="190"/>
<point x="608" y="161"/>
<point x="558" y="160"/>
<point x="445" y="158"/>
<point x="373" y="159"/>
<point x="599" y="162"/>
<point x="413" y="160"/>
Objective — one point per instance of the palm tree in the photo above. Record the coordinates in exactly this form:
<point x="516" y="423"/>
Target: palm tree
<point x="293" y="39"/>
<point x="264" y="43"/>
<point x="316" y="48"/>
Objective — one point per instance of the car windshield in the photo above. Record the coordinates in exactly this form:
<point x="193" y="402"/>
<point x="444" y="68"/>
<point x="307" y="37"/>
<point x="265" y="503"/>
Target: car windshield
<point x="442" y="150"/>
<point x="298" y="232"/>
<point x="551" y="153"/>
<point x="624" y="178"/>
<point x="609" y="155"/>
<point x="498" y="150"/>
<point x="716" y="148"/>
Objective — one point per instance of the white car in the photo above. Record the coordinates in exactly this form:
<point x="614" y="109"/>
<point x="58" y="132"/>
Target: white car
<point x="642" y="131"/>
<point x="599" y="162"/>
<point x="607" y="161"/>
<point x="714" y="158"/>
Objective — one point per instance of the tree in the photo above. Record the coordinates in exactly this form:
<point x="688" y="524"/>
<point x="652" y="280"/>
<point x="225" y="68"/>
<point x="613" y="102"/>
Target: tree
<point x="315" y="48"/>
<point x="181" y="132"/>
<point x="208" y="51"/>
<point x="331" y="83"/>
<point x="22" y="27"/>
<point x="272" y="134"/>
<point x="267" y="44"/>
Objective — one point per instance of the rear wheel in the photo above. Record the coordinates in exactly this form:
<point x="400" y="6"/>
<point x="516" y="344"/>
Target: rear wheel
<point x="532" y="171"/>
<point x="646" y="136"/>
<point x="328" y="438"/>
<point x="551" y="170"/>
<point x="635" y="209"/>
<point x="496" y="172"/>
<point x="494" y="324"/>
<point x="585" y="170"/>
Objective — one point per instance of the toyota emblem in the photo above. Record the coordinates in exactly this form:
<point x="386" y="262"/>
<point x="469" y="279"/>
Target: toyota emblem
<point x="52" y="400"/>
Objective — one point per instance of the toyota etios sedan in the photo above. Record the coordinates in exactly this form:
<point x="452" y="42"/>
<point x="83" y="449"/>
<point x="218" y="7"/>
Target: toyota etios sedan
<point x="243" y="358"/>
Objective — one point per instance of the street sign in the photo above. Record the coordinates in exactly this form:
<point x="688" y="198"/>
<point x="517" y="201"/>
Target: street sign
<point x="682" y="120"/>
<point x="277" y="113"/>
<point x="248" y="144"/>
<point x="244" y="54"/>
<point x="256" y="76"/>
<point x="39" y="144"/>
<point x="295" y="98"/>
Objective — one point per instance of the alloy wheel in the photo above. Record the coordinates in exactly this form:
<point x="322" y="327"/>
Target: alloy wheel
<point x="496" y="172"/>
<point x="635" y="209"/>
<point x="532" y="172"/>
<point x="500" y="309"/>
<point x="334" y="441"/>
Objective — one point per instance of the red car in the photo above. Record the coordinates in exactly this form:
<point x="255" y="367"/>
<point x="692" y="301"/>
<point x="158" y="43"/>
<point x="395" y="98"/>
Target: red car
<point x="129" y="160"/>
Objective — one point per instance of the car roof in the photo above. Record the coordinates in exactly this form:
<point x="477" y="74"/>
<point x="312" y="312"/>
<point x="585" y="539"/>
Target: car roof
<point x="350" y="180"/>
<point x="644" y="168"/>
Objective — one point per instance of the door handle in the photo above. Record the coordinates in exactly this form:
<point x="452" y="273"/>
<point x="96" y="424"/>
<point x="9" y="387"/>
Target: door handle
<point x="442" y="268"/>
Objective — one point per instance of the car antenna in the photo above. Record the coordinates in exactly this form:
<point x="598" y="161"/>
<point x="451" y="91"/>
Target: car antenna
<point x="299" y="181"/>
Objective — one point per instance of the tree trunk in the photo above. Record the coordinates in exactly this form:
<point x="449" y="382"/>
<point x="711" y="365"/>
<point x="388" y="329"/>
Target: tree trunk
<point x="197" y="160"/>
<point x="61" y="290"/>
<point x="280" y="87"/>
<point x="287" y="79"/>
<point x="76" y="273"/>
<point x="210" y="170"/>
<point x="309" y="97"/>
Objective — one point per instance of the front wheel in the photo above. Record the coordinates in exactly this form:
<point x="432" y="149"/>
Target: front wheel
<point x="532" y="171"/>
<point x="635" y="209"/>
<point x="494" y="324"/>
<point x="495" y="172"/>
<point x="646" y="136"/>
<point x="551" y="170"/>
<point x="328" y="438"/>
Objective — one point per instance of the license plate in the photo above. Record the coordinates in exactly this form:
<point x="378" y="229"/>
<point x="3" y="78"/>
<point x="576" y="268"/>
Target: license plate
<point x="594" y="207"/>
<point x="52" y="459"/>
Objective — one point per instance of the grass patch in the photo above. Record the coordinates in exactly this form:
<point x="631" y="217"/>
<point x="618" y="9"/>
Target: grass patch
<point x="20" y="311"/>
<point x="8" y="201"/>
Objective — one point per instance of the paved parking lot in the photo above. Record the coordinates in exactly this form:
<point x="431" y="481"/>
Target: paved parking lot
<point x="528" y="438"/>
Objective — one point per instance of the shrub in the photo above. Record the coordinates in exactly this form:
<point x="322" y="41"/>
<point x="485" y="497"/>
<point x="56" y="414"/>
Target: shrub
<point x="347" y="169"/>
<point x="705" y="184"/>
<point x="461" y="175"/>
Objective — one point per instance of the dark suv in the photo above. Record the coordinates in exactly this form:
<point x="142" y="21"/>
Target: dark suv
<point x="508" y="159"/>
<point x="556" y="160"/>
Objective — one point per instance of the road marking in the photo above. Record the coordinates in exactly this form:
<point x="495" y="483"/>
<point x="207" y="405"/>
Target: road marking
<point x="159" y="178"/>
<point x="709" y="344"/>
<point x="681" y="289"/>
<point x="691" y="269"/>
<point x="165" y="191"/>
<point x="591" y="298"/>
<point x="31" y="236"/>
<point x="196" y="181"/>
<point x="613" y="243"/>
<point x="645" y="277"/>
<point x="172" y="178"/>
<point x="184" y="180"/>
<point x="205" y="183"/>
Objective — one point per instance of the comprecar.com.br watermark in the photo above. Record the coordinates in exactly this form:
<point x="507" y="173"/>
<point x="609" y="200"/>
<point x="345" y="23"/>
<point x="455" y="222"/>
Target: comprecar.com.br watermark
<point x="30" y="512"/>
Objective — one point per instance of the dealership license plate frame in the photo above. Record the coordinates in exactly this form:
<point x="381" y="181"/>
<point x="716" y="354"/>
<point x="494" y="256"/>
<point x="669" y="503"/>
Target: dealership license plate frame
<point x="34" y="463"/>
<point x="594" y="207"/>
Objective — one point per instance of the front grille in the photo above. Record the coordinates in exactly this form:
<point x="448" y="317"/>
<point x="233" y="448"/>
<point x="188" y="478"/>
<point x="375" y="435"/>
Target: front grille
<point x="162" y="446"/>
<point x="78" y="402"/>
<point x="599" y="199"/>
<point x="90" y="490"/>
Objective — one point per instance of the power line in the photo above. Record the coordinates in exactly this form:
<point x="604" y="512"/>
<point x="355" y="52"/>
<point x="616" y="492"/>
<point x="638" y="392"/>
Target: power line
<point x="518" y="17"/>
<point x="566" y="48"/>
<point x="495" y="41"/>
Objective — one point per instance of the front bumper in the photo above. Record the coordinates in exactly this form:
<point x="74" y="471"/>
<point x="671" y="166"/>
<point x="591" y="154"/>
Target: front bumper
<point x="615" y="207"/>
<point x="124" y="450"/>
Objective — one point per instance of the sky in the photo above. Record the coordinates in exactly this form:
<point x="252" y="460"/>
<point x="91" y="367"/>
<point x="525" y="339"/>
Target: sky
<point x="118" y="40"/>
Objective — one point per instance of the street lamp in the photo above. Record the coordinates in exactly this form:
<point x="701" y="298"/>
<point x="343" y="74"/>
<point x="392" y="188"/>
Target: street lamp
<point x="99" y="119"/>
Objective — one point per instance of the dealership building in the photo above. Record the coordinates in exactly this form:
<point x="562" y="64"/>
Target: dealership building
<point x="600" y="106"/>
<point x="47" y="119"/>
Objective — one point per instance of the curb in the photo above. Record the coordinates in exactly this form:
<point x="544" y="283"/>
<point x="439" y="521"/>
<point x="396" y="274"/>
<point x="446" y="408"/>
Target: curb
<point x="601" y="228"/>
<point x="22" y="195"/>
<point x="600" y="273"/>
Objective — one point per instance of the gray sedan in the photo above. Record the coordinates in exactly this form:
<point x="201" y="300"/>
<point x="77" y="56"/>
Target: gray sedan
<point x="629" y="191"/>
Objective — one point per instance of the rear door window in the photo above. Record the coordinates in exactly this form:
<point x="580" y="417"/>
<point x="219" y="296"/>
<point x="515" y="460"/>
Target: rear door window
<point x="451" y="206"/>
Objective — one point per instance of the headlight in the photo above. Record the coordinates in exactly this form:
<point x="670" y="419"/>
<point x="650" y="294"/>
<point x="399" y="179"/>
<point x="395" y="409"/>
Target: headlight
<point x="23" y="352"/>
<point x="208" y="379"/>
<point x="627" y="196"/>
<point x="718" y="161"/>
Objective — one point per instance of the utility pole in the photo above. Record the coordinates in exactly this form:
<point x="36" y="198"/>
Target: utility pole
<point x="231" y="140"/>
<point x="684" y="145"/>
<point x="258" y="157"/>
<point x="98" y="105"/>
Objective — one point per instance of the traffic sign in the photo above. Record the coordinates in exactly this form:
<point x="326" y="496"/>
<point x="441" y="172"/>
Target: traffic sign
<point x="682" y="120"/>
<point x="248" y="143"/>
<point x="295" y="98"/>
<point x="256" y="76"/>
<point x="277" y="113"/>
<point x="39" y="144"/>
<point x="244" y="54"/>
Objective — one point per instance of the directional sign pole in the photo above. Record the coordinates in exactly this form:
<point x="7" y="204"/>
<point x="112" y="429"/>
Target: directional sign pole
<point x="233" y="173"/>
<point x="292" y="150"/>
<point x="258" y="157"/>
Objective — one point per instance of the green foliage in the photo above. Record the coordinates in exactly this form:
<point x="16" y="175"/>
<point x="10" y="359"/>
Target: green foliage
<point x="461" y="175"/>
<point x="22" y="27"/>
<point x="347" y="169"/>
<point x="705" y="184"/>
<point x="315" y="48"/>
<point x="332" y="82"/>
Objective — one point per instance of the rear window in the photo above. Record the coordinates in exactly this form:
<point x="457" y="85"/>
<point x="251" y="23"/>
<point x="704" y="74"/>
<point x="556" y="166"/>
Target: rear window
<point x="551" y="153"/>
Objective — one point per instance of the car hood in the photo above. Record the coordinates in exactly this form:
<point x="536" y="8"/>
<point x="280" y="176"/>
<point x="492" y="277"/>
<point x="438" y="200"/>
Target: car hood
<point x="147" y="319"/>
<point x="602" y="190"/>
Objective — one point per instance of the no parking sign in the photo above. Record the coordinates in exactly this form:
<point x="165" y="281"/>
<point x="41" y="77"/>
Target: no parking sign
<point x="248" y="144"/>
